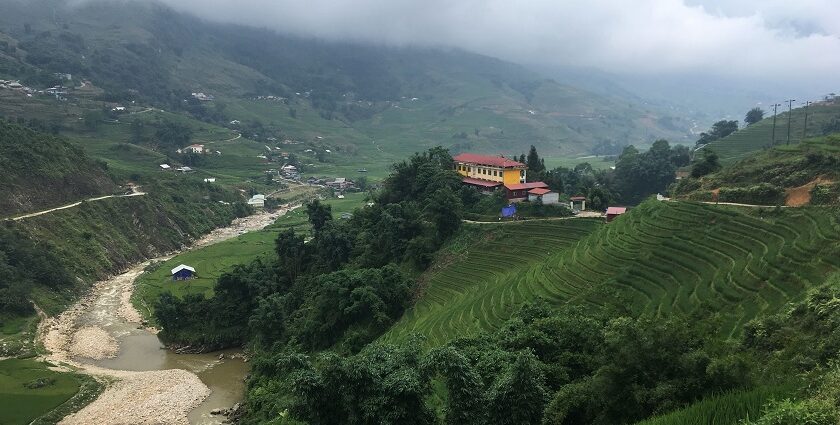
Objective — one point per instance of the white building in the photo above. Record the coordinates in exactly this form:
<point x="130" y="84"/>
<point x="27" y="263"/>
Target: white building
<point x="257" y="201"/>
<point x="193" y="149"/>
<point x="547" y="196"/>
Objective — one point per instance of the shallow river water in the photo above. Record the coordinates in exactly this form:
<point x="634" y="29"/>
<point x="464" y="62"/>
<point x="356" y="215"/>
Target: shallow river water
<point x="141" y="350"/>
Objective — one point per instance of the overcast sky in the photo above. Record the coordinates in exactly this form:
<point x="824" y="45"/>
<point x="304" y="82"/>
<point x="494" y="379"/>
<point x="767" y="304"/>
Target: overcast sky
<point x="778" y="39"/>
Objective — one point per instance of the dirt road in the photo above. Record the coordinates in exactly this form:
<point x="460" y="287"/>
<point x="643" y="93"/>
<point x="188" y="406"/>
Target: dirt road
<point x="76" y="204"/>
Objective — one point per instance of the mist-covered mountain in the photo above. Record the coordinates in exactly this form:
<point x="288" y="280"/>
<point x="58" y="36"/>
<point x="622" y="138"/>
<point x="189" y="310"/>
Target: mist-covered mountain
<point x="148" y="53"/>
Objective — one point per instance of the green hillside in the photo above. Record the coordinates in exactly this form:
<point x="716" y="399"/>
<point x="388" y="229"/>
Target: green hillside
<point x="399" y="99"/>
<point x="470" y="287"/>
<point x="742" y="143"/>
<point x="660" y="259"/>
<point x="41" y="171"/>
<point x="796" y="174"/>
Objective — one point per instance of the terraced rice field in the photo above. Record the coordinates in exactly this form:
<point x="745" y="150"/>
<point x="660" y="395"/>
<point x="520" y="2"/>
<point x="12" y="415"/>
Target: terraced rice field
<point x="488" y="281"/>
<point x="660" y="259"/>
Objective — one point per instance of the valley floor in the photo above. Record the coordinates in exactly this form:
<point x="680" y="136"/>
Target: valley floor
<point x="138" y="397"/>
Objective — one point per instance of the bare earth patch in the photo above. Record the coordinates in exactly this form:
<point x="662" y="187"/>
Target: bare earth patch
<point x="799" y="196"/>
<point x="95" y="343"/>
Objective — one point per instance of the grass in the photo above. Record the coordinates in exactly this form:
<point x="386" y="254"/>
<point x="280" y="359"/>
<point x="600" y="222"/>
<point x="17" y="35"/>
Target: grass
<point x="17" y="335"/>
<point x="726" y="409"/>
<point x="742" y="143"/>
<point x="212" y="261"/>
<point x="20" y="404"/>
<point x="659" y="259"/>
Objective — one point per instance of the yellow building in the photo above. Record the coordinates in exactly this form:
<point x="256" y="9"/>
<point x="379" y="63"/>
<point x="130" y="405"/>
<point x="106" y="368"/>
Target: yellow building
<point x="495" y="169"/>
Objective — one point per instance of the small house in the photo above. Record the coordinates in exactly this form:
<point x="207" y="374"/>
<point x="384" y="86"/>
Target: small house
<point x="516" y="192"/>
<point x="164" y="166"/>
<point x="183" y="272"/>
<point x="257" y="201"/>
<point x="193" y="149"/>
<point x="613" y="212"/>
<point x="544" y="195"/>
<point x="210" y="180"/>
<point x="577" y="203"/>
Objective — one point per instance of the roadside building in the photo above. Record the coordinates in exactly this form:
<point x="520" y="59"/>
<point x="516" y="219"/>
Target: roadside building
<point x="183" y="272"/>
<point x="613" y="212"/>
<point x="544" y="195"/>
<point x="165" y="166"/>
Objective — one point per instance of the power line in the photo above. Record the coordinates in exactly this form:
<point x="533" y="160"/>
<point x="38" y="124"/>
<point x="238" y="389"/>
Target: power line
<point x="773" y="137"/>
<point x="805" y="127"/>
<point x="790" y="104"/>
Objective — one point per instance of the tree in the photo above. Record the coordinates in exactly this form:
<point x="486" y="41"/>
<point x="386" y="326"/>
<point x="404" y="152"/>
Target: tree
<point x="93" y="119"/>
<point x="718" y="131"/>
<point x="709" y="163"/>
<point x="754" y="115"/>
<point x="518" y="396"/>
<point x="319" y="214"/>
<point x="533" y="161"/>
<point x="292" y="253"/>
<point x="445" y="211"/>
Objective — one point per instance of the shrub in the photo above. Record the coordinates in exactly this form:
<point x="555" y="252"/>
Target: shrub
<point x="765" y="194"/>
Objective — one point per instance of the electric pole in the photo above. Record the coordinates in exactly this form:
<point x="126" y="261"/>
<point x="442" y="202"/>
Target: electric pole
<point x="773" y="137"/>
<point x="805" y="127"/>
<point x="790" y="104"/>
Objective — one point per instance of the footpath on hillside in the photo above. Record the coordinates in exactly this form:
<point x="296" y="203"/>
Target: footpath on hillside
<point x="135" y="191"/>
<point x="148" y="397"/>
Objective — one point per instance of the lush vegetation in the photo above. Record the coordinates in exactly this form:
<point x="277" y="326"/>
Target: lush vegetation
<point x="29" y="391"/>
<point x="756" y="137"/>
<point x="344" y="285"/>
<point x="41" y="170"/>
<point x="765" y="177"/>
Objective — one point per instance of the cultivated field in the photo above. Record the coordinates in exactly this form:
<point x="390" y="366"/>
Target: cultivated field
<point x="660" y="259"/>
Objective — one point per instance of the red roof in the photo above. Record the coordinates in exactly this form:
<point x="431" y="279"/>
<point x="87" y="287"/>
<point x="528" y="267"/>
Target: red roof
<point x="539" y="191"/>
<point x="496" y="161"/>
<point x="616" y="210"/>
<point x="520" y="186"/>
<point x="479" y="182"/>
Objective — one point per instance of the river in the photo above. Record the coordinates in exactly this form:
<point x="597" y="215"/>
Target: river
<point x="147" y="383"/>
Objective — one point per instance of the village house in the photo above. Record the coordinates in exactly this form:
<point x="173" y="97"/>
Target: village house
<point x="183" y="272"/>
<point x="544" y="195"/>
<point x="257" y="201"/>
<point x="340" y="183"/>
<point x="613" y="212"/>
<point x="165" y="166"/>
<point x="193" y="149"/>
<point x="488" y="173"/>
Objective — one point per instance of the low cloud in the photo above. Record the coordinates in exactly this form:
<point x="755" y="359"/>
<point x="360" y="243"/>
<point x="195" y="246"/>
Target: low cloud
<point x="770" y="39"/>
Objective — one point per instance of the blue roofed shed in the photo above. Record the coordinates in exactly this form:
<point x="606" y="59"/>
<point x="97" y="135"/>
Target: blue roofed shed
<point x="183" y="272"/>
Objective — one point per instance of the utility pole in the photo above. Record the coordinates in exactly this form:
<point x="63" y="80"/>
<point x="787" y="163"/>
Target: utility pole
<point x="790" y="114"/>
<point x="805" y="127"/>
<point x="773" y="137"/>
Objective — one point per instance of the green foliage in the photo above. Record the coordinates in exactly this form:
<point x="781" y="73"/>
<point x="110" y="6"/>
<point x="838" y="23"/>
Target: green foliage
<point x="639" y="175"/>
<point x="761" y="194"/>
<point x="730" y="408"/>
<point x="706" y="164"/>
<point x="754" y="115"/>
<point x="825" y="194"/>
<point x="23" y="265"/>
<point x="808" y="412"/>
<point x="718" y="131"/>
<point x="41" y="171"/>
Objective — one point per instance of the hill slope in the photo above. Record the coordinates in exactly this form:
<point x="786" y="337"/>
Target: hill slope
<point x="42" y="171"/>
<point x="758" y="136"/>
<point x="147" y="52"/>
<point x="659" y="259"/>
<point x="791" y="175"/>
